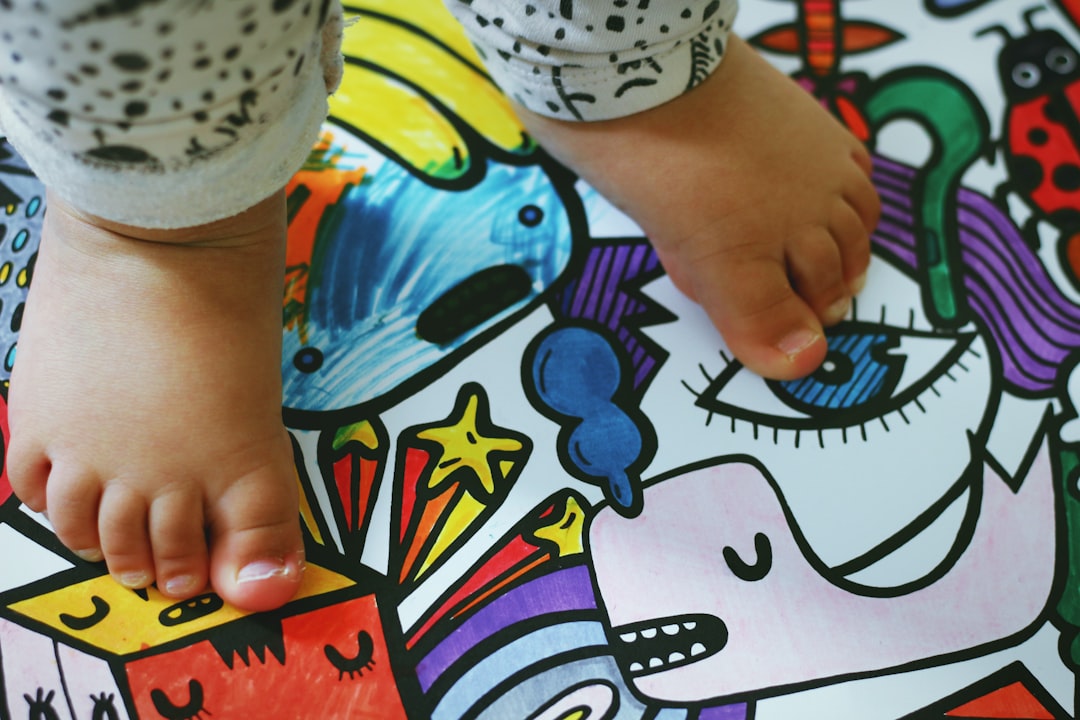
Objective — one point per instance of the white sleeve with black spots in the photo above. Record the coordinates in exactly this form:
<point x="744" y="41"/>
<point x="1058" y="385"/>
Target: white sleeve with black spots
<point x="166" y="113"/>
<point x="597" y="59"/>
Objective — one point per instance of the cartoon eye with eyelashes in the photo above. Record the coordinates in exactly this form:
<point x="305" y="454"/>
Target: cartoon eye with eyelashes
<point x="869" y="370"/>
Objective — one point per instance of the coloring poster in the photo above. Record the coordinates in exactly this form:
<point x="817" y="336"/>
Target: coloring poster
<point x="536" y="485"/>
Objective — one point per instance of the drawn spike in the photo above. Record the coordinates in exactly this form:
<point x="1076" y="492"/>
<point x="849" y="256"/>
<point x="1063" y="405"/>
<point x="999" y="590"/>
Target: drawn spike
<point x="1000" y="29"/>
<point x="1030" y="13"/>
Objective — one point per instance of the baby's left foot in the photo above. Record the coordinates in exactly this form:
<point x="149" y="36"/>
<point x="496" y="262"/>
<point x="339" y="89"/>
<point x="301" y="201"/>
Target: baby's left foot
<point x="758" y="202"/>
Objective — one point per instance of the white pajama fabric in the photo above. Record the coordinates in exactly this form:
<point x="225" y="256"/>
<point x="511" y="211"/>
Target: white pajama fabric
<point x="173" y="113"/>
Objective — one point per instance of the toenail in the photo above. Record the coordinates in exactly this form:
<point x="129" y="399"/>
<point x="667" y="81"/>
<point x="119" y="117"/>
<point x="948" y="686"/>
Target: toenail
<point x="858" y="284"/>
<point x="265" y="569"/>
<point x="797" y="341"/>
<point x="837" y="311"/>
<point x="92" y="555"/>
<point x="181" y="585"/>
<point x="134" y="580"/>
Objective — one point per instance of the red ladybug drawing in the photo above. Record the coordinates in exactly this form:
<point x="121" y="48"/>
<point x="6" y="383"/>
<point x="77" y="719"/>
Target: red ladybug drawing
<point x="1040" y="73"/>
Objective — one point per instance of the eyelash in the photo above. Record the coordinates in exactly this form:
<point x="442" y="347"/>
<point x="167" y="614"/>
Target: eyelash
<point x="797" y="433"/>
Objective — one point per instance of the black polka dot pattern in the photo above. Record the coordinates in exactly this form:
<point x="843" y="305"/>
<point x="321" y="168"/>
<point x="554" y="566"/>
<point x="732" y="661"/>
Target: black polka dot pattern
<point x="153" y="86"/>
<point x="597" y="59"/>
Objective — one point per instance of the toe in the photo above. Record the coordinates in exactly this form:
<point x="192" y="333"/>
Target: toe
<point x="860" y="193"/>
<point x="125" y="541"/>
<point x="816" y="272"/>
<point x="178" y="541"/>
<point x="853" y="242"/>
<point x="770" y="328"/>
<point x="72" y="500"/>
<point x="28" y="472"/>
<point x="257" y="555"/>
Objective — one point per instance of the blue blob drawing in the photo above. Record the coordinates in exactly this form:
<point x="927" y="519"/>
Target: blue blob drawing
<point x="576" y="378"/>
<point x="403" y="274"/>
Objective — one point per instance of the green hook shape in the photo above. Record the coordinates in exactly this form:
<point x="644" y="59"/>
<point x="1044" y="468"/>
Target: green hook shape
<point x="959" y="130"/>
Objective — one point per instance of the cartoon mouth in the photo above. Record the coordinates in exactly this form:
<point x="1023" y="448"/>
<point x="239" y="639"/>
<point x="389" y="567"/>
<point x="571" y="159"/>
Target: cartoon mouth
<point x="653" y="646"/>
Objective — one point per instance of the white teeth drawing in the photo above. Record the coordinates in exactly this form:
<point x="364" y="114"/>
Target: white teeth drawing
<point x="669" y="642"/>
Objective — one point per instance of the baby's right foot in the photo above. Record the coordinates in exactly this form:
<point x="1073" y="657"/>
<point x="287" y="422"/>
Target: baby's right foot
<point x="145" y="404"/>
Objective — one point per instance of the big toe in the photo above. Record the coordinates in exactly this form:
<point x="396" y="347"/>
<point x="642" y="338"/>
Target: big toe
<point x="257" y="553"/>
<point x="764" y="322"/>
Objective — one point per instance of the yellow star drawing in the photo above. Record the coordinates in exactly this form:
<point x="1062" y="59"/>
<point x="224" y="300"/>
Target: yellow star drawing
<point x="469" y="440"/>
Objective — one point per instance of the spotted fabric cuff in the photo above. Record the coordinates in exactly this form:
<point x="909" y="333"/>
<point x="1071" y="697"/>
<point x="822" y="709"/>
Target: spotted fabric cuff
<point x="597" y="59"/>
<point x="166" y="114"/>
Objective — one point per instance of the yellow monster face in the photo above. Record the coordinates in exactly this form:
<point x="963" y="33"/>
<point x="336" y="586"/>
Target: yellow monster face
<point x="106" y="615"/>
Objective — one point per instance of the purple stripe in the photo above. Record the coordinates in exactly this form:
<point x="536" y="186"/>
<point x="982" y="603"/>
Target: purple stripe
<point x="611" y="287"/>
<point x="644" y="372"/>
<point x="559" y="591"/>
<point x="899" y="198"/>
<point x="884" y="164"/>
<point x="583" y="285"/>
<point x="618" y="313"/>
<point x="596" y="289"/>
<point x="724" y="712"/>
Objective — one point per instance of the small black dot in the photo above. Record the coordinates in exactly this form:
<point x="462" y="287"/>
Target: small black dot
<point x="1038" y="136"/>
<point x="165" y="28"/>
<point x="615" y="23"/>
<point x="88" y="69"/>
<point x="130" y="61"/>
<point x="136" y="108"/>
<point x="57" y="94"/>
<point x="232" y="52"/>
<point x="200" y="116"/>
<point x="131" y="86"/>
<point x="530" y="216"/>
<point x="1067" y="177"/>
<point x="121" y="153"/>
<point x="282" y="5"/>
<point x="208" y="96"/>
<point x="308" y="360"/>
<point x="202" y="63"/>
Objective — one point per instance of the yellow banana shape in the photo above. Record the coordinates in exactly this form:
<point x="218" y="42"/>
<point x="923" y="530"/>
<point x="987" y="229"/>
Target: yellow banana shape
<point x="414" y="86"/>
<point x="428" y="16"/>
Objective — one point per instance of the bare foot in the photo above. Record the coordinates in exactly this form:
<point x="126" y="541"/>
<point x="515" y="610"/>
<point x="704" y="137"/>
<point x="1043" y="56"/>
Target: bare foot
<point x="758" y="202"/>
<point x="145" y="404"/>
